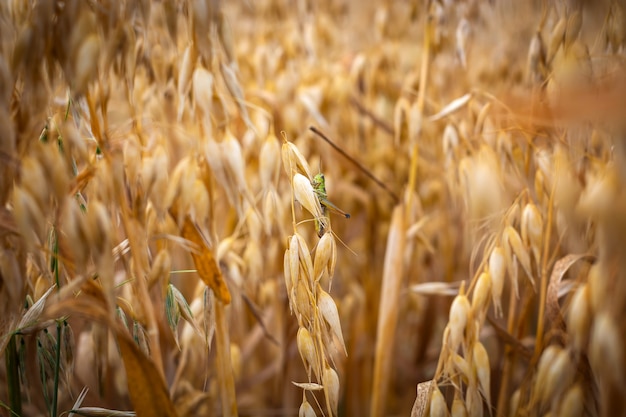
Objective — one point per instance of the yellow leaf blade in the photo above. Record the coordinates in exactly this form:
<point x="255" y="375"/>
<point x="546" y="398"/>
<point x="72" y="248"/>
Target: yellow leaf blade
<point x="205" y="262"/>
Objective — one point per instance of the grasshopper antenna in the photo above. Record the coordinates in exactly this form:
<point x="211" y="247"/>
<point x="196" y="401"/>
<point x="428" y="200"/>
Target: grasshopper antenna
<point x="355" y="163"/>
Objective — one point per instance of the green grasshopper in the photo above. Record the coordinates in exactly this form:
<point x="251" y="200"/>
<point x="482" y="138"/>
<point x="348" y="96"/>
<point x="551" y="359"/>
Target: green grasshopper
<point x="319" y="186"/>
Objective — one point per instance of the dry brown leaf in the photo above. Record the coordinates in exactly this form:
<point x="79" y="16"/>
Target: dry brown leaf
<point x="146" y="389"/>
<point x="423" y="399"/>
<point x="206" y="265"/>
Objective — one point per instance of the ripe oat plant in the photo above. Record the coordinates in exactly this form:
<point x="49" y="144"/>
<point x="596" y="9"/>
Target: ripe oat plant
<point x="165" y="243"/>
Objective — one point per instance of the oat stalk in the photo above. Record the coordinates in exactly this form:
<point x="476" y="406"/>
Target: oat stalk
<point x="13" y="381"/>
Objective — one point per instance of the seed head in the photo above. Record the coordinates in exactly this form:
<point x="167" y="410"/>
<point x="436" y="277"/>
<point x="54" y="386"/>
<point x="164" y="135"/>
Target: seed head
<point x="438" y="407"/>
<point x="305" y="195"/>
<point x="328" y="309"/>
<point x="459" y="316"/>
<point x="497" y="271"/>
<point x="579" y="317"/>
<point x="330" y="380"/>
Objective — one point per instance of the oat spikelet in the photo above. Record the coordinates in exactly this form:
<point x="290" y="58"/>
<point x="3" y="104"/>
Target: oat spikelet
<point x="497" y="271"/>
<point x="328" y="309"/>
<point x="460" y="311"/>
<point x="305" y="195"/>
<point x="438" y="407"/>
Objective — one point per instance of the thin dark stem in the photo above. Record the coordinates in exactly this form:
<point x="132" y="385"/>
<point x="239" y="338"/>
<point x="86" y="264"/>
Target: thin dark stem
<point x="356" y="163"/>
<point x="54" y="260"/>
<point x="386" y="127"/>
<point x="13" y="382"/>
<point x="57" y="367"/>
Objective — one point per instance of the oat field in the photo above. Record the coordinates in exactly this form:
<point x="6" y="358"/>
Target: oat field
<point x="168" y="246"/>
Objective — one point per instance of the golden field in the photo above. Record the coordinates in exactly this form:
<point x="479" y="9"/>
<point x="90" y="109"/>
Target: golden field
<point x="166" y="246"/>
